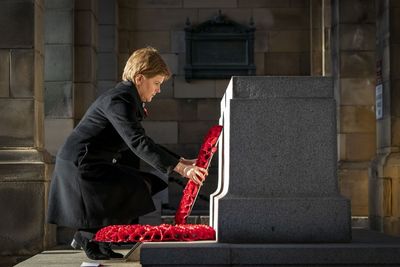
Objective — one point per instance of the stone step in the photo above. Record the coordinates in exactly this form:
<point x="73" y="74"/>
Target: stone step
<point x="23" y="155"/>
<point x="367" y="248"/>
<point x="359" y="222"/>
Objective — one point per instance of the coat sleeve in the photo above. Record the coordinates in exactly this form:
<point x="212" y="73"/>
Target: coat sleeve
<point x="121" y="111"/>
<point x="169" y="151"/>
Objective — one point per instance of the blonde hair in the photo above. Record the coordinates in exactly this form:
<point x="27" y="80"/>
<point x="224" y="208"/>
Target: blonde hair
<point x="146" y="61"/>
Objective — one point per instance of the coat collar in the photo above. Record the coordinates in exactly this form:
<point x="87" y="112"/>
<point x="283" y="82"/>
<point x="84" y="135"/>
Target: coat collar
<point x="139" y="104"/>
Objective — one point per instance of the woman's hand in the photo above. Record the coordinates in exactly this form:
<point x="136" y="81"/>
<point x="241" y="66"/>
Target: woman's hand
<point x="194" y="173"/>
<point x="188" y="161"/>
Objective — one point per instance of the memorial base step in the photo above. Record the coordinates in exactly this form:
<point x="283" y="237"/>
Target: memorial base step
<point x="368" y="248"/>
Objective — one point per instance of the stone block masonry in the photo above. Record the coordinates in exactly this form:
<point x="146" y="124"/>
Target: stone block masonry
<point x="278" y="181"/>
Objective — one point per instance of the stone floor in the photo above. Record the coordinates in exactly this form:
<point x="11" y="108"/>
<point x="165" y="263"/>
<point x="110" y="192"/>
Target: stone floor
<point x="72" y="258"/>
<point x="368" y="248"/>
<point x="68" y="257"/>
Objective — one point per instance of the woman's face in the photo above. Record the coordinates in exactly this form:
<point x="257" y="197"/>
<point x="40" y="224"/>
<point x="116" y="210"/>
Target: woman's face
<point x="148" y="87"/>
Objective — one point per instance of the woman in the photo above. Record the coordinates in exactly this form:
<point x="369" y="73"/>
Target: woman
<point x="96" y="181"/>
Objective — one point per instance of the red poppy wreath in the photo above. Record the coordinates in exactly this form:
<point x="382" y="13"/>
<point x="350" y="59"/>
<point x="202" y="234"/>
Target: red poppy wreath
<point x="166" y="232"/>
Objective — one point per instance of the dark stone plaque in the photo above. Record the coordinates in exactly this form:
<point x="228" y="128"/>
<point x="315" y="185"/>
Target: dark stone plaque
<point x="218" y="49"/>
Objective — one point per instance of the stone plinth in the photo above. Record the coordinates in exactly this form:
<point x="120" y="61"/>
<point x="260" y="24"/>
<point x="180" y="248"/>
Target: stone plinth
<point x="278" y="161"/>
<point x="368" y="248"/>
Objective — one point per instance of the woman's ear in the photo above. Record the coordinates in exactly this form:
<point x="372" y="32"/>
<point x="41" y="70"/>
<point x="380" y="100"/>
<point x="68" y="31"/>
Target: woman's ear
<point x="139" y="79"/>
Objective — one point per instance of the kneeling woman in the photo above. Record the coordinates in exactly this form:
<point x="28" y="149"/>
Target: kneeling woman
<point x="96" y="181"/>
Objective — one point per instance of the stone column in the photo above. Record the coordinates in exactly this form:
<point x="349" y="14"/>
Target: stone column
<point x="353" y="55"/>
<point x="279" y="158"/>
<point x="384" y="174"/>
<point x="59" y="62"/>
<point x="24" y="175"/>
<point x="320" y="23"/>
<point x="85" y="55"/>
<point x="107" y="52"/>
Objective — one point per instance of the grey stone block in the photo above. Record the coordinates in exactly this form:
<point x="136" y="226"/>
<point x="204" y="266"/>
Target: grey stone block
<point x="57" y="131"/>
<point x="59" y="4"/>
<point x="187" y="110"/>
<point x="172" y="62"/>
<point x="24" y="171"/>
<point x="167" y="89"/>
<point x="357" y="64"/>
<point x="154" y="4"/>
<point x="220" y="87"/>
<point x="209" y="3"/>
<point x="288" y="41"/>
<point x="158" y="39"/>
<point x="289" y="147"/>
<point x="357" y="37"/>
<point x="85" y="27"/>
<point x="178" y="43"/>
<point x="16" y="32"/>
<point x="58" y="26"/>
<point x="107" y="12"/>
<point x="21" y="155"/>
<point x="86" y="5"/>
<point x="378" y="250"/>
<point x="107" y="38"/>
<point x="17" y="119"/>
<point x="172" y="109"/>
<point x="167" y="18"/>
<point x="193" y="131"/>
<point x="264" y="3"/>
<point x="278" y="64"/>
<point x="58" y="100"/>
<point x="58" y="62"/>
<point x="104" y="85"/>
<point x="38" y="81"/>
<point x="4" y="73"/>
<point x="194" y="89"/>
<point x="357" y="12"/>
<point x="22" y="220"/>
<point x="368" y="248"/>
<point x="153" y="254"/>
<point x="253" y="87"/>
<point x="162" y="132"/>
<point x="286" y="220"/>
<point x="22" y="73"/>
<point x="279" y="146"/>
<point x="84" y="95"/>
<point x="85" y="64"/>
<point x="261" y="41"/>
<point x="277" y="18"/>
<point x="208" y="110"/>
<point x="259" y="61"/>
<point x="107" y="66"/>
<point x="163" y="109"/>
<point x="239" y="15"/>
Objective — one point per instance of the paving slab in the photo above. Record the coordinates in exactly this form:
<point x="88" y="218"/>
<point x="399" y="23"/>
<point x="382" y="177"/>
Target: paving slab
<point x="71" y="258"/>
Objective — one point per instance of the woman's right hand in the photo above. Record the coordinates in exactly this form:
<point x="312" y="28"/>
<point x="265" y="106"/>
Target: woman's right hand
<point x="192" y="172"/>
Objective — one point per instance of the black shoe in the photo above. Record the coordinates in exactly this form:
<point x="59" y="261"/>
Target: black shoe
<point x="105" y="248"/>
<point x="90" y="247"/>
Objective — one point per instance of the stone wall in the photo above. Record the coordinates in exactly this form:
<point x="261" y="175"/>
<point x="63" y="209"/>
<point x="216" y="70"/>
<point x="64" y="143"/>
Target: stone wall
<point x="24" y="168"/>
<point x="354" y="69"/>
<point x="385" y="168"/>
<point x="85" y="55"/>
<point x="58" y="75"/>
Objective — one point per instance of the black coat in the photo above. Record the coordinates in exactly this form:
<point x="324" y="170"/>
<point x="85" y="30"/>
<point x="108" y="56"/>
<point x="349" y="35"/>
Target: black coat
<point x="96" y="181"/>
